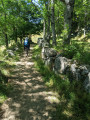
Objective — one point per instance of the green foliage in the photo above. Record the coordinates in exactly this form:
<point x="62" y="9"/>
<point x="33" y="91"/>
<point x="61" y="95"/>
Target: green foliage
<point x="59" y="15"/>
<point x="4" y="92"/>
<point x="73" y="104"/>
<point x="5" y="87"/>
<point x="65" y="32"/>
<point x="6" y="65"/>
<point x="18" y="18"/>
<point x="77" y="50"/>
<point x="2" y="42"/>
<point x="36" y="52"/>
<point x="82" y="13"/>
<point x="71" y="50"/>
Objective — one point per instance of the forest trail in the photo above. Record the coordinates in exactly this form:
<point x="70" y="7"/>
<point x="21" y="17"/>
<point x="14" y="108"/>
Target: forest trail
<point x="30" y="99"/>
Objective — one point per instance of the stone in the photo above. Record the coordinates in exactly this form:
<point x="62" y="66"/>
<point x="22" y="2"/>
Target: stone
<point x="40" y="41"/>
<point x="50" y="52"/>
<point x="61" y="64"/>
<point x="16" y="48"/>
<point x="83" y="69"/>
<point x="87" y="83"/>
<point x="10" y="53"/>
<point x="43" y="53"/>
<point x="74" y="72"/>
<point x="73" y="68"/>
<point x="45" y="44"/>
<point x="50" y="62"/>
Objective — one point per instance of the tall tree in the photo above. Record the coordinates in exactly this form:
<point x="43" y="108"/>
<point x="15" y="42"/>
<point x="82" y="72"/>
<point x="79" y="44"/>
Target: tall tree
<point x="68" y="19"/>
<point x="4" y="15"/>
<point x="53" y="23"/>
<point x="44" y="29"/>
<point x="48" y="22"/>
<point x="18" y="18"/>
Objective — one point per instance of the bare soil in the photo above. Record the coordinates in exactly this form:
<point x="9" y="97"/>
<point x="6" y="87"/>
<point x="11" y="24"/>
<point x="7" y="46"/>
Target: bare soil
<point x="29" y="99"/>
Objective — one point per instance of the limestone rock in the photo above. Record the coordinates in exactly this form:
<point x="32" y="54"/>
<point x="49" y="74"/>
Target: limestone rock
<point x="50" y="62"/>
<point x="61" y="63"/>
<point x="10" y="53"/>
<point x="16" y="48"/>
<point x="87" y="83"/>
<point x="50" y="52"/>
<point x="40" y="41"/>
<point x="45" y="44"/>
<point x="83" y="70"/>
<point x="74" y="72"/>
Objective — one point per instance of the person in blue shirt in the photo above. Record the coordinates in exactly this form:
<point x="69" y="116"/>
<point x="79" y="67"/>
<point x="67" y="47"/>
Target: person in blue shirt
<point x="26" y="43"/>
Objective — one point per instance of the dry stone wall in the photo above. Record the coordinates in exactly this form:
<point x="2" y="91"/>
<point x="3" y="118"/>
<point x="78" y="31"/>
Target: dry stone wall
<point x="62" y="65"/>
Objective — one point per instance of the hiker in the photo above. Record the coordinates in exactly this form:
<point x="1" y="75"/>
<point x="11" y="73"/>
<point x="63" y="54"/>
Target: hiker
<point x="26" y="43"/>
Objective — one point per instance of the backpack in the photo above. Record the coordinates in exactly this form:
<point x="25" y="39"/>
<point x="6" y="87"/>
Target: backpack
<point x="26" y="43"/>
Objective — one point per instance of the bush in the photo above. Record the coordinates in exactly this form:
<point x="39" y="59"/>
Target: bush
<point x="77" y="52"/>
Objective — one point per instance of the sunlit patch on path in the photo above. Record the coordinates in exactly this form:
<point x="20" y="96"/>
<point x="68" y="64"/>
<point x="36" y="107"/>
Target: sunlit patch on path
<point x="30" y="99"/>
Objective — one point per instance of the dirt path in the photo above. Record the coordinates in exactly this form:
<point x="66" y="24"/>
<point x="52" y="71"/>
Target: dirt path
<point x="30" y="99"/>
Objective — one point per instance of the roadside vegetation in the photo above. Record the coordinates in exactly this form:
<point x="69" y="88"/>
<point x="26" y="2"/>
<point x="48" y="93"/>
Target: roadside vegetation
<point x="78" y="50"/>
<point x="18" y="19"/>
<point x="74" y="100"/>
<point x="6" y="67"/>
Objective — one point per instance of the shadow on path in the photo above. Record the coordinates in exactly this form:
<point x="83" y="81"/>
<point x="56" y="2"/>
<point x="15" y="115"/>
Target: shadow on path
<point x="30" y="99"/>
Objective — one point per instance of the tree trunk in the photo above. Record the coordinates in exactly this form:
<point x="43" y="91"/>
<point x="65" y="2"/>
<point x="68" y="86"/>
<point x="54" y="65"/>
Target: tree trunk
<point x="48" y="25"/>
<point x="21" y="39"/>
<point x="58" y="30"/>
<point x="68" y="20"/>
<point x="44" y="30"/>
<point x="85" y="24"/>
<point x="15" y="34"/>
<point x="6" y="37"/>
<point x="53" y="23"/>
<point x="6" y="40"/>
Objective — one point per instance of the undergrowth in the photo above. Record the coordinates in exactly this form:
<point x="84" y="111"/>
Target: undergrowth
<point x="78" y="50"/>
<point x="6" y="66"/>
<point x="74" y="101"/>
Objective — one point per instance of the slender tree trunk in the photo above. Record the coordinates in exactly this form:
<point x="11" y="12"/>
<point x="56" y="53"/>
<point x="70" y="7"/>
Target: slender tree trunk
<point x="6" y="40"/>
<point x="85" y="24"/>
<point x="44" y="26"/>
<point x="48" y="24"/>
<point x="21" y="39"/>
<point x="44" y="30"/>
<point x="6" y="37"/>
<point x="53" y="23"/>
<point x="15" y="35"/>
<point x="68" y="20"/>
<point x="58" y="31"/>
